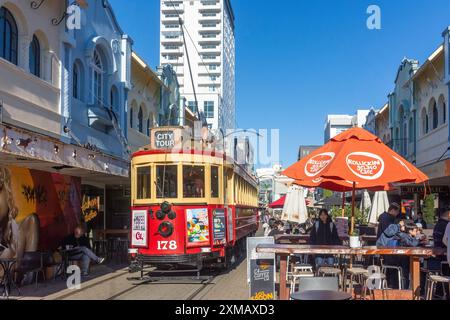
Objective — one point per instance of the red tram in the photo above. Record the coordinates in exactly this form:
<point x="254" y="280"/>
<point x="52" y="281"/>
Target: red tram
<point x="191" y="206"/>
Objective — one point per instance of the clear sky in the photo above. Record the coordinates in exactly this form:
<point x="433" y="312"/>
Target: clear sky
<point x="298" y="60"/>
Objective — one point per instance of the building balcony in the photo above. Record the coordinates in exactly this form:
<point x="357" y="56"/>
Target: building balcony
<point x="29" y="102"/>
<point x="99" y="118"/>
<point x="172" y="51"/>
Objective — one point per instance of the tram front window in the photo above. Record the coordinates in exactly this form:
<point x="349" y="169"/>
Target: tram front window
<point x="215" y="182"/>
<point x="143" y="182"/>
<point x="193" y="182"/>
<point x="167" y="182"/>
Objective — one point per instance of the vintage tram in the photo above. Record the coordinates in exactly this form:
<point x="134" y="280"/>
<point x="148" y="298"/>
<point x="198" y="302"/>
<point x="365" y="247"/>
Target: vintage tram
<point x="191" y="205"/>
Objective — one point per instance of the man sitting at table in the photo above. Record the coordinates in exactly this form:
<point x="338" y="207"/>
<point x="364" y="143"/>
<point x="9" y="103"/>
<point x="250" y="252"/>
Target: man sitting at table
<point x="80" y="249"/>
<point x="387" y="218"/>
<point x="403" y="234"/>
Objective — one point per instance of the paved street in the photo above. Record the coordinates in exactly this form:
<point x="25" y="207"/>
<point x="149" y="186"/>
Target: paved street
<point x="113" y="284"/>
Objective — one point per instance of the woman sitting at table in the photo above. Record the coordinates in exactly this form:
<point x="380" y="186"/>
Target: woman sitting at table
<point x="324" y="233"/>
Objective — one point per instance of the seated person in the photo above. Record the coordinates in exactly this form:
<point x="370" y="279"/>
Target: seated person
<point x="80" y="249"/>
<point x="434" y="263"/>
<point x="278" y="228"/>
<point x="420" y="220"/>
<point x="400" y="235"/>
<point x="324" y="233"/>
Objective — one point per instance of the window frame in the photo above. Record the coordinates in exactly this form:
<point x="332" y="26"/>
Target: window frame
<point x="9" y="52"/>
<point x="34" y="60"/>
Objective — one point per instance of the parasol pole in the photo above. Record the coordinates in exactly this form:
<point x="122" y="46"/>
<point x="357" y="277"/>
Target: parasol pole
<point x="343" y="204"/>
<point x="352" y="227"/>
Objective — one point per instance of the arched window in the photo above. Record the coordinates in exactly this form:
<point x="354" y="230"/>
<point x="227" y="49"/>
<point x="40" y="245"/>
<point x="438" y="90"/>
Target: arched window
<point x="76" y="82"/>
<point x="114" y="98"/>
<point x="98" y="78"/>
<point x="131" y="118"/>
<point x="8" y="36"/>
<point x="435" y="115"/>
<point x="141" y="120"/>
<point x="425" y="122"/>
<point x="411" y="130"/>
<point x="442" y="110"/>
<point x="35" y="57"/>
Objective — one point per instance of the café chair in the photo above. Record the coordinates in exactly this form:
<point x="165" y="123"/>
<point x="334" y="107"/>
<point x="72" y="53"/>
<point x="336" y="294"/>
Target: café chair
<point x="32" y="263"/>
<point x="432" y="281"/>
<point x="370" y="282"/>
<point x="399" y="271"/>
<point x="357" y="274"/>
<point x="300" y="271"/>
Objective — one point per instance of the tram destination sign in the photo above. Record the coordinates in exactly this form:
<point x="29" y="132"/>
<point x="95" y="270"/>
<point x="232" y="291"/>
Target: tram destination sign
<point x="164" y="139"/>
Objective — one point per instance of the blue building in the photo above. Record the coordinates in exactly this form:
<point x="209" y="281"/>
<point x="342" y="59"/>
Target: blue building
<point x="96" y="68"/>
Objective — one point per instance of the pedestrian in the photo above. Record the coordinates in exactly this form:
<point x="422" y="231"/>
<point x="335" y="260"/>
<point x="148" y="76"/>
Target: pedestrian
<point x="439" y="228"/>
<point x="387" y="218"/>
<point x="324" y="233"/>
<point x="420" y="220"/>
<point x="80" y="249"/>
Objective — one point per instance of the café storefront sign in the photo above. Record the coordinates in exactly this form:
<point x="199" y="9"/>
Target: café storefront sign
<point x="164" y="139"/>
<point x="422" y="190"/>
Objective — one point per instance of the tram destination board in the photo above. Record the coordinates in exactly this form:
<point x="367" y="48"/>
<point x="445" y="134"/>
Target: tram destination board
<point x="260" y="270"/>
<point x="164" y="139"/>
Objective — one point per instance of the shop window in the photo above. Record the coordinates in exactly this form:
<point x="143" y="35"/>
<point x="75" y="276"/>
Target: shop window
<point x="167" y="182"/>
<point x="214" y="182"/>
<point x="193" y="182"/>
<point x="143" y="187"/>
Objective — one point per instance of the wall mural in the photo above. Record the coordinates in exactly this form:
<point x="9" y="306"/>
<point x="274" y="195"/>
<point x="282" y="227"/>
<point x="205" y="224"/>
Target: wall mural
<point x="37" y="210"/>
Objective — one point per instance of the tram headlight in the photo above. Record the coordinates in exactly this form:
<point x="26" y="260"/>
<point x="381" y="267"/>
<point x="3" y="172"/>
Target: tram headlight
<point x="165" y="229"/>
<point x="166" y="207"/>
<point x="172" y="215"/>
<point x="160" y="215"/>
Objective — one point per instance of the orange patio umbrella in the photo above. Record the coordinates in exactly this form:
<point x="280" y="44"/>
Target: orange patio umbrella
<point x="354" y="160"/>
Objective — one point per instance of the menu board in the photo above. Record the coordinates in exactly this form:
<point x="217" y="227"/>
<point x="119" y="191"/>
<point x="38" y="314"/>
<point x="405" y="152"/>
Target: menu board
<point x="139" y="228"/>
<point x="197" y="227"/>
<point x="260" y="270"/>
<point x="219" y="229"/>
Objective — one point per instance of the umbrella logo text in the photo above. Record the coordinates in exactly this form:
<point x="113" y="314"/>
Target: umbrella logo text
<point x="365" y="165"/>
<point x="317" y="164"/>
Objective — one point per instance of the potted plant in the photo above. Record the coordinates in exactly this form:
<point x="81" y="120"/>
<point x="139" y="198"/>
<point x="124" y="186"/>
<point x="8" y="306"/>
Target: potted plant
<point x="354" y="240"/>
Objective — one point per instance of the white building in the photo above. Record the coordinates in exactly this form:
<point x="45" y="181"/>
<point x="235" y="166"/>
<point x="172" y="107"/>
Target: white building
<point x="336" y="124"/>
<point x="210" y="47"/>
<point x="273" y="186"/>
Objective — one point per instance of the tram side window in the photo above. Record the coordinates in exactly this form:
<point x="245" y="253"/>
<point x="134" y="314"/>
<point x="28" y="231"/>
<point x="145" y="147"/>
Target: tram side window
<point x="193" y="182"/>
<point x="166" y="182"/>
<point x="214" y="182"/>
<point x="143" y="182"/>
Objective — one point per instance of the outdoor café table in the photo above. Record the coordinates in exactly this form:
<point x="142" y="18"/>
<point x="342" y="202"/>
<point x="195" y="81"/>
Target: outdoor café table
<point x="415" y="254"/>
<point x="304" y="238"/>
<point x="321" y="295"/>
<point x="7" y="280"/>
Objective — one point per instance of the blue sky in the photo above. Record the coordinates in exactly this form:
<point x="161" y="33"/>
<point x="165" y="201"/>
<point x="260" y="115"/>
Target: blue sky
<point x="298" y="60"/>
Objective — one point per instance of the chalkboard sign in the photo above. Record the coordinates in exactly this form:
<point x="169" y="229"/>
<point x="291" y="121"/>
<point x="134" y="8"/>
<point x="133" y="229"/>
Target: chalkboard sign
<point x="164" y="139"/>
<point x="260" y="270"/>
<point x="219" y="230"/>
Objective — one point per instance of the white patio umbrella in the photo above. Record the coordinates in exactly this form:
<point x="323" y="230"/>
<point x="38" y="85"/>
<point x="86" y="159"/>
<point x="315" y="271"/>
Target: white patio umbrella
<point x="366" y="203"/>
<point x="380" y="204"/>
<point x="295" y="206"/>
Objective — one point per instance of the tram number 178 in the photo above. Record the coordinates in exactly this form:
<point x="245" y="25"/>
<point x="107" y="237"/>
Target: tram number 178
<point x="167" y="245"/>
